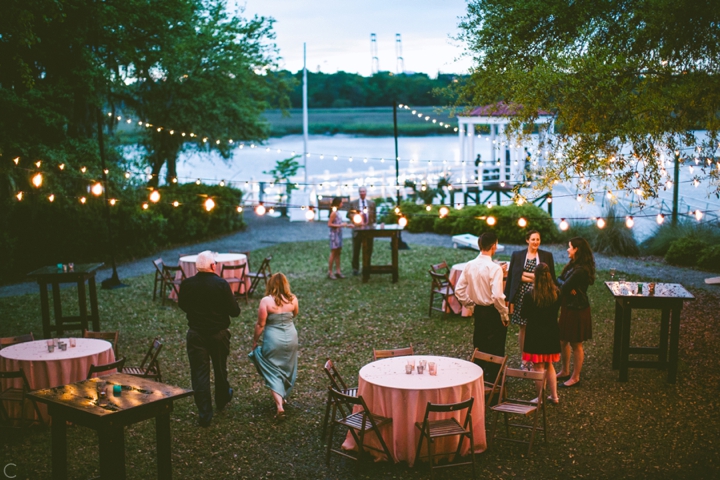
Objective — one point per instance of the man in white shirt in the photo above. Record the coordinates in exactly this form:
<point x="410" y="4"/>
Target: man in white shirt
<point x="366" y="208"/>
<point x="481" y="285"/>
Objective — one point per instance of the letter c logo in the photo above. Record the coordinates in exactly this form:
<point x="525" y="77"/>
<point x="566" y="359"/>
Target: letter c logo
<point x="6" y="472"/>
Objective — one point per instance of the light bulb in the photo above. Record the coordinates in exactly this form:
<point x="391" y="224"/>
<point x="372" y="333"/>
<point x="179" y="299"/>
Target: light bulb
<point x="154" y="196"/>
<point x="145" y="206"/>
<point x="491" y="221"/>
<point x="698" y="215"/>
<point x="660" y="218"/>
<point x="600" y="223"/>
<point x="51" y="198"/>
<point x="310" y="214"/>
<point x="209" y="204"/>
<point x="564" y="225"/>
<point x="176" y="204"/>
<point x="83" y="200"/>
<point x="97" y="189"/>
<point x="629" y="222"/>
<point x="402" y="221"/>
<point x="428" y="207"/>
<point x="444" y="211"/>
<point x="522" y="223"/>
<point x="37" y="180"/>
<point x="112" y="202"/>
<point x="357" y="219"/>
<point x="260" y="209"/>
<point x="239" y="209"/>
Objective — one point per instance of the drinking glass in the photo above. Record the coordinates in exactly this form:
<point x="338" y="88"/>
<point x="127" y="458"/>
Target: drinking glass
<point x="432" y="368"/>
<point x="72" y="342"/>
<point x="408" y="369"/>
<point x="612" y="274"/>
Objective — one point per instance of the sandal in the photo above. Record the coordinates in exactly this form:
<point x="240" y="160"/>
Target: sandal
<point x="280" y="415"/>
<point x="331" y="276"/>
<point x="339" y="275"/>
<point x="552" y="401"/>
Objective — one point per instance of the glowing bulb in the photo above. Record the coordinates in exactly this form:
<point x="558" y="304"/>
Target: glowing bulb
<point x="83" y="200"/>
<point x="239" y="209"/>
<point x="564" y="225"/>
<point x="83" y="169"/>
<point x="198" y="182"/>
<point x="522" y="223"/>
<point x="444" y="211"/>
<point x="629" y="222"/>
<point x="127" y="174"/>
<point x="600" y="223"/>
<point x="37" y="180"/>
<point x="310" y="214"/>
<point x="260" y="209"/>
<point x="176" y="204"/>
<point x="222" y="183"/>
<point x="154" y="196"/>
<point x="19" y="196"/>
<point x="402" y="221"/>
<point x="51" y="198"/>
<point x="209" y="204"/>
<point x="698" y="215"/>
<point x="145" y="206"/>
<point x="660" y="218"/>
<point x="357" y="219"/>
<point x="491" y="221"/>
<point x="97" y="189"/>
<point x="428" y="208"/>
<point x="397" y="211"/>
<point x="61" y="166"/>
<point x="38" y="163"/>
<point x="113" y="202"/>
<point x="174" y="180"/>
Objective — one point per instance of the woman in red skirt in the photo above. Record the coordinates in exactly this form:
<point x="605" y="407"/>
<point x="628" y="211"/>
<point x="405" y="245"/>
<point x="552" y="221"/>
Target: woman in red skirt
<point x="575" y="321"/>
<point x="540" y="307"/>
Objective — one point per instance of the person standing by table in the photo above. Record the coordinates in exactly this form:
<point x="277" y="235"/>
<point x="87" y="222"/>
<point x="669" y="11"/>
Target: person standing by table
<point x="481" y="285"/>
<point x="540" y="307"/>
<point x="575" y="320"/>
<point x="208" y="303"/>
<point x="275" y="343"/>
<point x="336" y="241"/>
<point x="366" y="208"/>
<point x="520" y="278"/>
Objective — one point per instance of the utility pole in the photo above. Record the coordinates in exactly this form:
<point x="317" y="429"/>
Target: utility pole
<point x="676" y="190"/>
<point x="397" y="159"/>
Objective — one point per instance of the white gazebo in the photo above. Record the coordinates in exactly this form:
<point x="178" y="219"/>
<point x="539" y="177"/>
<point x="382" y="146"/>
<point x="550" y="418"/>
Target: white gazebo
<point x="505" y="159"/>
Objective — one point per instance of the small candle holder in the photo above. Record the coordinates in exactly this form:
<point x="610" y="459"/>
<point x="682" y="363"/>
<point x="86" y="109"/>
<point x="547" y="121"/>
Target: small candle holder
<point x="62" y="346"/>
<point x="651" y="288"/>
<point x="432" y="368"/>
<point x="101" y="386"/>
<point x="50" y="345"/>
<point x="411" y="363"/>
<point x="71" y="267"/>
<point x="420" y="369"/>
<point x="408" y="369"/>
<point x="73" y="342"/>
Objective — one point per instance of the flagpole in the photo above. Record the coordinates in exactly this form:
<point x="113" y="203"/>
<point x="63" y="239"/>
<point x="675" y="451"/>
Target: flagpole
<point x="305" y="114"/>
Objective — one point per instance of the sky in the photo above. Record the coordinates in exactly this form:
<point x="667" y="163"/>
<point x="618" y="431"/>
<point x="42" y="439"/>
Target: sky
<point x="337" y="33"/>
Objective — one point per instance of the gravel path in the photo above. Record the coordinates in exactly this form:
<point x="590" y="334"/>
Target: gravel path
<point x="264" y="231"/>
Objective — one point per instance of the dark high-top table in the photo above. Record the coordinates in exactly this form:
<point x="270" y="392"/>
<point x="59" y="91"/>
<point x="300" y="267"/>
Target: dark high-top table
<point x="141" y="399"/>
<point x="668" y="298"/>
<point x="366" y="235"/>
<point x="54" y="276"/>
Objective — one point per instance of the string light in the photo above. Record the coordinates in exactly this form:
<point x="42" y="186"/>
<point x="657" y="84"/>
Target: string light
<point x="198" y="182"/>
<point x="83" y="200"/>
<point x="127" y="174"/>
<point x="38" y="163"/>
<point x="357" y="219"/>
<point x="209" y="204"/>
<point x="16" y="160"/>
<point x="444" y="211"/>
<point x="83" y="169"/>
<point x="97" y="189"/>
<point x="145" y="206"/>
<point x="19" y="196"/>
<point x="37" y="180"/>
<point x="491" y="221"/>
<point x="402" y="222"/>
<point x="176" y="204"/>
<point x="61" y="166"/>
<point x="113" y="201"/>
<point x="601" y="223"/>
<point x="660" y="218"/>
<point x="522" y="223"/>
<point x="239" y="209"/>
<point x="51" y="197"/>
<point x="629" y="222"/>
<point x="260" y="209"/>
<point x="154" y="196"/>
<point x="310" y="214"/>
<point x="428" y="208"/>
<point x="564" y="225"/>
<point x="698" y="215"/>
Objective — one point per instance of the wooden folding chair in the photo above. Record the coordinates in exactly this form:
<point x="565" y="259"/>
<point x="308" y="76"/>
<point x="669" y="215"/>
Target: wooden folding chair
<point x="492" y="385"/>
<point x="116" y="365"/>
<point x="263" y="273"/>
<point x="440" y="290"/>
<point x="7" y="341"/>
<point x="150" y="367"/>
<point x="396" y="352"/>
<point x="358" y="423"/>
<point x="17" y="395"/>
<point x="111" y="337"/>
<point x="521" y="407"/>
<point x="337" y="383"/>
<point x="433" y="429"/>
<point x="441" y="268"/>
<point x="239" y="281"/>
<point x="158" y="264"/>
<point x="170" y="280"/>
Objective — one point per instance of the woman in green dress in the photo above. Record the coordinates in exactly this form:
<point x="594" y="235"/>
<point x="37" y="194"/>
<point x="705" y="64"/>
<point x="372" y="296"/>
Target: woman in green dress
<point x="275" y="344"/>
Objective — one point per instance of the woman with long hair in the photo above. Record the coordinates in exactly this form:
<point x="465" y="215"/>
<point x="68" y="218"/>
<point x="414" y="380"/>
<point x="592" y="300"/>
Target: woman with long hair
<point x="540" y="307"/>
<point x="575" y="320"/>
<point x="521" y="277"/>
<point x="336" y="242"/>
<point x="275" y="343"/>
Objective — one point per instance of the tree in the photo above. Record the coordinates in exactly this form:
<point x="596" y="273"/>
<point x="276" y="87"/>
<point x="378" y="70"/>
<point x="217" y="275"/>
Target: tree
<point x="208" y="83"/>
<point x="284" y="170"/>
<point x="618" y="76"/>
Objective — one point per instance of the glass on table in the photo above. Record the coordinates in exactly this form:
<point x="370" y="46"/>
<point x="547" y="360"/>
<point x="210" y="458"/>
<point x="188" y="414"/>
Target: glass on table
<point x="612" y="274"/>
<point x="408" y="369"/>
<point x="432" y="368"/>
<point x="50" y="345"/>
<point x="72" y="341"/>
<point x="420" y="368"/>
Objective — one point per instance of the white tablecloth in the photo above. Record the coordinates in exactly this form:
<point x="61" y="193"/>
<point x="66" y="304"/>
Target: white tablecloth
<point x="187" y="264"/>
<point x="46" y="370"/>
<point x="390" y="392"/>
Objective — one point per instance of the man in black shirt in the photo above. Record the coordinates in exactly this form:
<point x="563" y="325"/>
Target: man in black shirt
<point x="209" y="303"/>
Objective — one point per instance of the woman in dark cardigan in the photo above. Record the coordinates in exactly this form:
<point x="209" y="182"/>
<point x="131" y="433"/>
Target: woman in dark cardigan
<point x="575" y="320"/>
<point x="540" y="307"/>
<point x="520" y="278"/>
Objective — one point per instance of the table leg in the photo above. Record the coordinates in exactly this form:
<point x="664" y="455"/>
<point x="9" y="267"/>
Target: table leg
<point x="674" y="342"/>
<point x="664" y="327"/>
<point x="45" y="309"/>
<point x="94" y="315"/>
<point x="59" y="448"/>
<point x="112" y="452"/>
<point x="394" y="245"/>
<point x="57" y="307"/>
<point x="617" y="340"/>
<point x="625" y="342"/>
<point x="366" y="259"/>
<point x="164" y="446"/>
<point x="82" y="303"/>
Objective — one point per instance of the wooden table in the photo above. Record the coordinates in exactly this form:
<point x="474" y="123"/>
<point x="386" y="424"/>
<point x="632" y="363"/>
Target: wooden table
<point x="54" y="276"/>
<point x="141" y="399"/>
<point x="668" y="298"/>
<point x="366" y="235"/>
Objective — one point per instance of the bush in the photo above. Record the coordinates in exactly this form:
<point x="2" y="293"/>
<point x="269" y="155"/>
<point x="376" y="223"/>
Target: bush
<point x="685" y="251"/>
<point x="666" y="234"/>
<point x="709" y="258"/>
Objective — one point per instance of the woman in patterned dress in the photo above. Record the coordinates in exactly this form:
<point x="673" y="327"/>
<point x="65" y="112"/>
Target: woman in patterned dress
<point x="336" y="225"/>
<point x="521" y="277"/>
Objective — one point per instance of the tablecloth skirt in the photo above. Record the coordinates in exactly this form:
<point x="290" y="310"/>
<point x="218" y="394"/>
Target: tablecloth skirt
<point x="406" y="407"/>
<point x="190" y="270"/>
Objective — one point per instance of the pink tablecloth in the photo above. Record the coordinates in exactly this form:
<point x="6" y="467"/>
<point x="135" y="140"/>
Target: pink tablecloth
<point x="46" y="370"/>
<point x="455" y="306"/>
<point x="188" y="266"/>
<point x="390" y="392"/>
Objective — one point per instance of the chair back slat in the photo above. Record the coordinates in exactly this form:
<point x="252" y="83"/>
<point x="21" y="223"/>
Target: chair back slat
<point x="449" y="407"/>
<point x="335" y="379"/>
<point x="117" y="364"/>
<point x="151" y="356"/>
<point x="439" y="280"/>
<point x="7" y="341"/>
<point x="111" y="337"/>
<point x="396" y="352"/>
<point x="441" y="268"/>
<point x="159" y="265"/>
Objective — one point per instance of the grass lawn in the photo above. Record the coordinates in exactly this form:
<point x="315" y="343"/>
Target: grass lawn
<point x="603" y="429"/>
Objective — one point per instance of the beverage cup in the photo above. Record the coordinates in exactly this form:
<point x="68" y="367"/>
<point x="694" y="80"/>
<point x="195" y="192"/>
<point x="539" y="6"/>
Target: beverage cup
<point x="408" y="369"/>
<point x="72" y="342"/>
<point x="432" y="368"/>
<point x="420" y="369"/>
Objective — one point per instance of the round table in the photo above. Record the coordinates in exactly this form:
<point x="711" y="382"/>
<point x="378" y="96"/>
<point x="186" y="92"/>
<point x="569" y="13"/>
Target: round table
<point x="187" y="263"/>
<point x="44" y="369"/>
<point x="390" y="392"/>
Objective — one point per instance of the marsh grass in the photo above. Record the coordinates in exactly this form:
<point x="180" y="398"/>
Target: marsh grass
<point x="604" y="429"/>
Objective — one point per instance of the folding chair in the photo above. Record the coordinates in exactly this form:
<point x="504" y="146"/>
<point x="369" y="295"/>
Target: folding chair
<point x="116" y="365"/>
<point x="492" y="386"/>
<point x="440" y="290"/>
<point x="337" y="383"/>
<point x="433" y="429"/>
<point x="396" y="352"/>
<point x="158" y="264"/>
<point x="111" y="337"/>
<point x="441" y="268"/>
<point x="7" y="341"/>
<point x="358" y="423"/>
<point x="524" y="408"/>
<point x="263" y="274"/>
<point x="170" y="280"/>
<point x="150" y="367"/>
<point x="17" y="395"/>
<point x="239" y="281"/>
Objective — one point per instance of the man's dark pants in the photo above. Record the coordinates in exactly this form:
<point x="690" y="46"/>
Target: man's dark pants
<point x="202" y="349"/>
<point x="357" y="245"/>
<point x="489" y="337"/>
